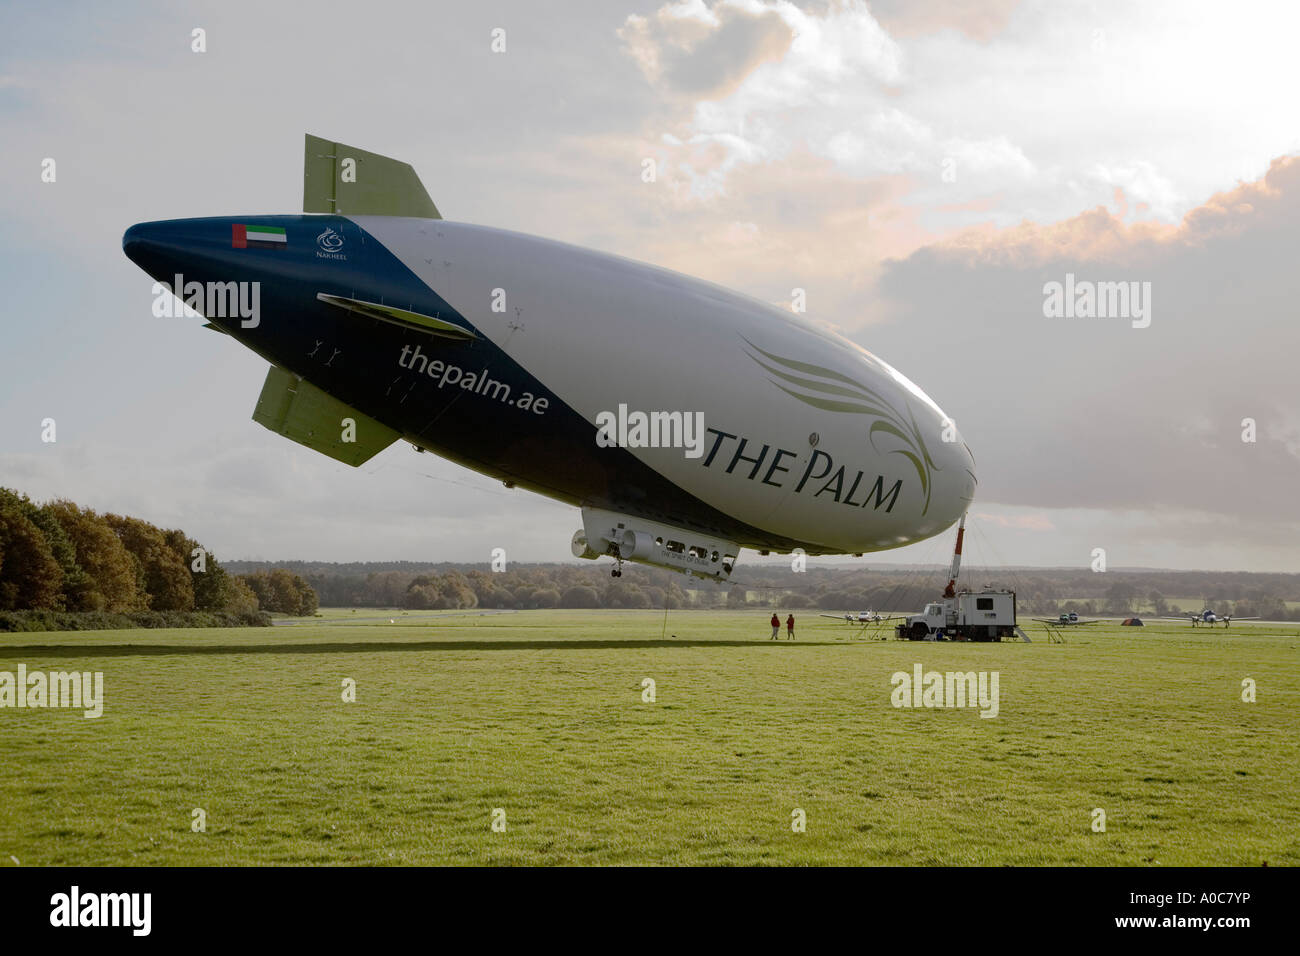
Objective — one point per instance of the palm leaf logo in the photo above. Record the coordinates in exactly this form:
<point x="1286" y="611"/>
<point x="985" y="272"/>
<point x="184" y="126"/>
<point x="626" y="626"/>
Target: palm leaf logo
<point x="830" y="391"/>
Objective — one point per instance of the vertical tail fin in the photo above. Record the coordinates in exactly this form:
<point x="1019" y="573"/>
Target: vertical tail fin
<point x="337" y="178"/>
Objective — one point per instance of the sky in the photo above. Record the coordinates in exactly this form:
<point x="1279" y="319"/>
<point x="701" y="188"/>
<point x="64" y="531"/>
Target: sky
<point x="922" y="170"/>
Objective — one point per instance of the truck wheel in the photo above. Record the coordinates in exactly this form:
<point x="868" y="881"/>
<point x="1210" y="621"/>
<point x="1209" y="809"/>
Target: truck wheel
<point x="919" y="631"/>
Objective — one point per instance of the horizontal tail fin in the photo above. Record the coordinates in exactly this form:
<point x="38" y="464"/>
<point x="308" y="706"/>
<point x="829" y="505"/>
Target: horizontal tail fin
<point x="298" y="410"/>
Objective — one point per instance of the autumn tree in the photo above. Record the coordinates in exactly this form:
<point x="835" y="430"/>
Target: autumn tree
<point x="61" y="547"/>
<point x="580" y="596"/>
<point x="455" y="590"/>
<point x="422" y="593"/>
<point x="109" y="582"/>
<point x="30" y="577"/>
<point x="282" y="591"/>
<point x="209" y="580"/>
<point x="161" y="572"/>
<point x="546" y="597"/>
<point x="240" y="598"/>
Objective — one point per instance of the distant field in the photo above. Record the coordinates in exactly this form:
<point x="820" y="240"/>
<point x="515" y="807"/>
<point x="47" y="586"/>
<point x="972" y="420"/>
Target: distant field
<point x="540" y="714"/>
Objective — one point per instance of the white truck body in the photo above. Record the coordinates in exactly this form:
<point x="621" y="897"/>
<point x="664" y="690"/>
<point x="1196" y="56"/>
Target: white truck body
<point x="987" y="615"/>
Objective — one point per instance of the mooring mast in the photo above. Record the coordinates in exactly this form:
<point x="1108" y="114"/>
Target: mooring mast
<point x="951" y="590"/>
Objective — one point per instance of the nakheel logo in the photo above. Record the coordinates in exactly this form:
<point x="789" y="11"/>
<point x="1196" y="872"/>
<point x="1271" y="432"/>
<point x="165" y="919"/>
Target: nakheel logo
<point x="102" y="909"/>
<point x="330" y="243"/>
<point x="951" y="689"/>
<point x="82" y="689"/>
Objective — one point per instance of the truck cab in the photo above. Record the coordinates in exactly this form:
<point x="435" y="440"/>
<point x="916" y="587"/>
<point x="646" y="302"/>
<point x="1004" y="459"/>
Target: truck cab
<point x="935" y="617"/>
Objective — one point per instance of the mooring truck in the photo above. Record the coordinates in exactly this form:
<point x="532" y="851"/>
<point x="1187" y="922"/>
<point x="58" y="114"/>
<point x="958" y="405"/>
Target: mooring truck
<point x="987" y="615"/>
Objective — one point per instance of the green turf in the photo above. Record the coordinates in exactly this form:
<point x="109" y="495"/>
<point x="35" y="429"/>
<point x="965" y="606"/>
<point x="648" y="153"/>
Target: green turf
<point x="540" y="714"/>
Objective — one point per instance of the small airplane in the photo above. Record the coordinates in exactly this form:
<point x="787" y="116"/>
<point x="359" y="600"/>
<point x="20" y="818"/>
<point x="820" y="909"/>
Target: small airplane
<point x="1206" y="617"/>
<point x="861" y="617"/>
<point x="1068" y="619"/>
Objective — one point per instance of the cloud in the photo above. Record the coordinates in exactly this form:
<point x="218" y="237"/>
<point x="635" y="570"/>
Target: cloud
<point x="1100" y="236"/>
<point x="1094" y="413"/>
<point x="831" y="88"/>
<point x="979" y="21"/>
<point x="1040" y="109"/>
<point x="777" y="94"/>
<point x="1031" y="522"/>
<point x="697" y="51"/>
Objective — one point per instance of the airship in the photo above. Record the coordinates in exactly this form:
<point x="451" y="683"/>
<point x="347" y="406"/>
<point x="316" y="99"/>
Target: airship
<point x="686" y="421"/>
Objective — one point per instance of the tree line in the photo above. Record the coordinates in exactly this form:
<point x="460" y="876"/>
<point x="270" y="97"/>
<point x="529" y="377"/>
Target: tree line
<point x="1040" y="591"/>
<point x="60" y="557"/>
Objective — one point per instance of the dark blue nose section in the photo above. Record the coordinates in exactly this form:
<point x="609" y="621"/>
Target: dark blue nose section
<point x="248" y="247"/>
<point x="139" y="241"/>
<point x="167" y="247"/>
<point x="227" y="267"/>
<point x="132" y="238"/>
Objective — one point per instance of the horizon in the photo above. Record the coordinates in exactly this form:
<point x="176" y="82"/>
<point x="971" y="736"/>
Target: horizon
<point x="768" y="564"/>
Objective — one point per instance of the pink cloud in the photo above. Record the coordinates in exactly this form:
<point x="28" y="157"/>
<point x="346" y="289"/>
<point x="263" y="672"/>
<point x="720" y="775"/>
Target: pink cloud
<point x="1036" y="522"/>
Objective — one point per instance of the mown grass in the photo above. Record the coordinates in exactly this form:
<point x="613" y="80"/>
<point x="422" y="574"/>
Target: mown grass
<point x="540" y="714"/>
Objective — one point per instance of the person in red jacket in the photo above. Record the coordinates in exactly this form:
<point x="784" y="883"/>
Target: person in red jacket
<point x="776" y="626"/>
<point x="789" y="627"/>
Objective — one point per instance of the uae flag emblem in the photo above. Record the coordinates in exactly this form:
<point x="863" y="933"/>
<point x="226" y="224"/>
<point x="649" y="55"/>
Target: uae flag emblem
<point x="257" y="237"/>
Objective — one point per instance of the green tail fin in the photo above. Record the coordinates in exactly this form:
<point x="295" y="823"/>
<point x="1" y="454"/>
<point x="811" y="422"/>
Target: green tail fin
<point x="342" y="179"/>
<point x="297" y="409"/>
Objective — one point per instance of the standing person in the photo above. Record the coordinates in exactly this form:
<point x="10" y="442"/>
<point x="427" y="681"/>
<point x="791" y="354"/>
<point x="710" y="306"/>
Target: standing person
<point x="776" y="626"/>
<point x="789" y="627"/>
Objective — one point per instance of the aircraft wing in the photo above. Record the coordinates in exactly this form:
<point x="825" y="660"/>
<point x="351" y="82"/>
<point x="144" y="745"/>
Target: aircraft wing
<point x="1058" y="623"/>
<point x="854" y="619"/>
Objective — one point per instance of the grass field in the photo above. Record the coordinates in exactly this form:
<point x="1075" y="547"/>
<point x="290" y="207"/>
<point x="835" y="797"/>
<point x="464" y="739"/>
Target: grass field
<point x="540" y="714"/>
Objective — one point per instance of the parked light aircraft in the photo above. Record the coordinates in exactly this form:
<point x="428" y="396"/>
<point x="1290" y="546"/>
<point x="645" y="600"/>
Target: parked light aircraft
<point x="685" y="420"/>
<point x="1070" y="619"/>
<point x="1208" y="618"/>
<point x="861" y="617"/>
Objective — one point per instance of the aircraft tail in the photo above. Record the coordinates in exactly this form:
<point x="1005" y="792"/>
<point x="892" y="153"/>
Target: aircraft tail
<point x="298" y="410"/>
<point x="337" y="178"/>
